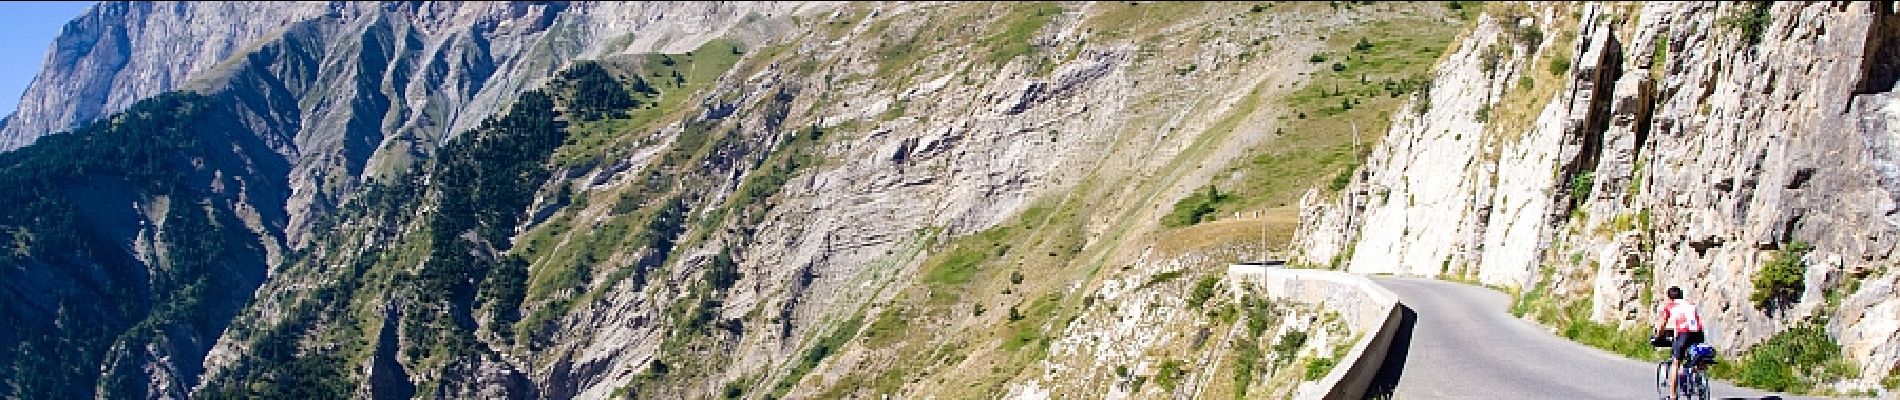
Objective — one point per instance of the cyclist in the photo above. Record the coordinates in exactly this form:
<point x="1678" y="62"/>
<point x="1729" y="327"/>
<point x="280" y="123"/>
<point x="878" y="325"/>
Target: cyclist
<point x="1682" y="317"/>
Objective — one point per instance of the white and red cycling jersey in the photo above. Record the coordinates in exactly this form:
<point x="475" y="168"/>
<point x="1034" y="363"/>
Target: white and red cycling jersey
<point x="1681" y="315"/>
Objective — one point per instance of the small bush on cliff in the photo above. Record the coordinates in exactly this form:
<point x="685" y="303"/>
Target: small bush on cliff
<point x="1795" y="360"/>
<point x="1750" y="21"/>
<point x="1318" y="368"/>
<point x="1580" y="185"/>
<point x="1289" y="345"/>
<point x="1345" y="177"/>
<point x="1203" y="290"/>
<point x="1559" y="65"/>
<point x="1170" y="374"/>
<point x="1781" y="280"/>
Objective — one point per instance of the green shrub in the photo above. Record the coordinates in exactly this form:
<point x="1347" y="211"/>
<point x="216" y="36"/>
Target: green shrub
<point x="1260" y="313"/>
<point x="1318" y="368"/>
<point x="1580" y="185"/>
<point x="1246" y="358"/>
<point x="1793" y="361"/>
<point x="734" y="390"/>
<point x="1529" y="36"/>
<point x="722" y="272"/>
<point x="1290" y="343"/>
<point x="1577" y="326"/>
<point x="1559" y="65"/>
<point x="1533" y="299"/>
<point x="1203" y="290"/>
<point x="1170" y="374"/>
<point x="1750" y="22"/>
<point x="1160" y="278"/>
<point x="1659" y="57"/>
<point x="1781" y="281"/>
<point x="1344" y="178"/>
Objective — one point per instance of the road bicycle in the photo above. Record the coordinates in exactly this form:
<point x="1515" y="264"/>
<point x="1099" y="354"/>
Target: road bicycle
<point x="1693" y="382"/>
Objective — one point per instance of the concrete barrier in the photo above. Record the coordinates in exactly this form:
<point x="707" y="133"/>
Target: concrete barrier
<point x="1369" y="308"/>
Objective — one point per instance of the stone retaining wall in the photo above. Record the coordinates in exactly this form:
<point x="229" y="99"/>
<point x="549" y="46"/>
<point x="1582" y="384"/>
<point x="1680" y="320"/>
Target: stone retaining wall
<point x="1369" y="308"/>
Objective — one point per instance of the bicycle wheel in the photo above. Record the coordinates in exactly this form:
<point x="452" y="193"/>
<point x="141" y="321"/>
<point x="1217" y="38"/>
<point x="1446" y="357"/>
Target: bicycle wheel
<point x="1662" y="379"/>
<point x="1701" y="384"/>
<point x="1692" y="384"/>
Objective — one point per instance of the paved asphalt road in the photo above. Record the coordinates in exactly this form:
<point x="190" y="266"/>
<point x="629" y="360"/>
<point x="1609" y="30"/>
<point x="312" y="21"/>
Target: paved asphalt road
<point x="1464" y="344"/>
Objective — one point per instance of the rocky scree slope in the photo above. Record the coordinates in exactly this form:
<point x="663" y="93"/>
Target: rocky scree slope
<point x="586" y="200"/>
<point x="1594" y="155"/>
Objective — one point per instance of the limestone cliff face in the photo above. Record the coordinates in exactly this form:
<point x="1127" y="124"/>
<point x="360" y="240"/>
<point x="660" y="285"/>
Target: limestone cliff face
<point x="1676" y="153"/>
<point x="118" y="53"/>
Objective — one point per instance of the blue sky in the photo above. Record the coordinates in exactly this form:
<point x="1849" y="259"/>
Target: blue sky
<point x="28" y="28"/>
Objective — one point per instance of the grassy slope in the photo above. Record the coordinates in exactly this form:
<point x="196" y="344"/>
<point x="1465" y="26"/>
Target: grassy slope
<point x="1314" y="147"/>
<point x="1028" y="274"/>
<point x="557" y="249"/>
<point x="948" y="348"/>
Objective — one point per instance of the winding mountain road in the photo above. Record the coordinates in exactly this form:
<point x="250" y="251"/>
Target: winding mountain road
<point x="1461" y="343"/>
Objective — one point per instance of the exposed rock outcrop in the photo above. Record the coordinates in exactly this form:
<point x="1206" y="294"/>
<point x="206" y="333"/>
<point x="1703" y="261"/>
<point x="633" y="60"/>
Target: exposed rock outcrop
<point x="1678" y="153"/>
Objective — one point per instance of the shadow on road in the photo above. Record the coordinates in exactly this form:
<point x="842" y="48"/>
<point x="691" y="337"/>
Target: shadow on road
<point x="1387" y="380"/>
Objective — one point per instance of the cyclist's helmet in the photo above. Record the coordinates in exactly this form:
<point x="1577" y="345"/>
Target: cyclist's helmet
<point x="1702" y="353"/>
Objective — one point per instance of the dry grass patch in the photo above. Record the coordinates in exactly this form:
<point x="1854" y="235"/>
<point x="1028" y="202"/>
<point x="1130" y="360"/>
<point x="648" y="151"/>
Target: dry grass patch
<point x="1364" y="75"/>
<point x="1280" y="222"/>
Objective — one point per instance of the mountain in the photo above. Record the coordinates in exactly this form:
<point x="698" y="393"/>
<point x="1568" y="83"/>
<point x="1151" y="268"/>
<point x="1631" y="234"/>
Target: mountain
<point x="768" y="200"/>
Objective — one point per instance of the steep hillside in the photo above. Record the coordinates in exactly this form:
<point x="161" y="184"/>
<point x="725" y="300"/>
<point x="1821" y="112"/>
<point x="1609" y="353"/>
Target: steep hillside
<point x="963" y="200"/>
<point x="350" y="90"/>
<point x="659" y="200"/>
<point x="128" y="234"/>
<point x="1587" y="157"/>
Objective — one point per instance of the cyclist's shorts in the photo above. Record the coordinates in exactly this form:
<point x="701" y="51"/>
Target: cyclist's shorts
<point x="1683" y="340"/>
